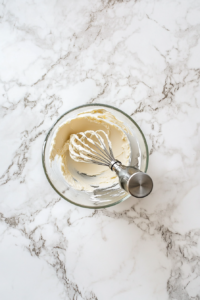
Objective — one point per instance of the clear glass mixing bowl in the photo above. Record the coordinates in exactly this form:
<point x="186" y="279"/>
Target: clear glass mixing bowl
<point x="100" y="198"/>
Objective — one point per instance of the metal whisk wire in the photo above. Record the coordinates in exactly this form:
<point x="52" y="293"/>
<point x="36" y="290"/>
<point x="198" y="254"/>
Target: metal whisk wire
<point x="131" y="179"/>
<point x="88" y="154"/>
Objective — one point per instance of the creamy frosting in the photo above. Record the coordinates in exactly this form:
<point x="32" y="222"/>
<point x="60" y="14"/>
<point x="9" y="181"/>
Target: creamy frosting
<point x="89" y="176"/>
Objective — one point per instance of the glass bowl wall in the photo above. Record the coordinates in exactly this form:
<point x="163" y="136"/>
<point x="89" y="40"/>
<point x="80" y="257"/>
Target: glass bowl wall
<point x="109" y="197"/>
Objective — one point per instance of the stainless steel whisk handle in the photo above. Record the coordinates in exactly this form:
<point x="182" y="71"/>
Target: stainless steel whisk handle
<point x="132" y="180"/>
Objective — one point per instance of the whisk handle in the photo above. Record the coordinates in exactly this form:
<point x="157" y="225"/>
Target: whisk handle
<point x="133" y="181"/>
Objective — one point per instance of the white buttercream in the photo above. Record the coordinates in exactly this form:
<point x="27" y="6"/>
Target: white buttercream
<point x="76" y="172"/>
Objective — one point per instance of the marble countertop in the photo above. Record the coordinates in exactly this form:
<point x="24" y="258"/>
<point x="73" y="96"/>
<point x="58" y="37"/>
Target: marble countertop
<point x="142" y="57"/>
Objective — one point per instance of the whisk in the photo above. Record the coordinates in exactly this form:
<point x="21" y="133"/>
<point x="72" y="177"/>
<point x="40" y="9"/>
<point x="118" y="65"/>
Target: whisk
<point x="95" y="147"/>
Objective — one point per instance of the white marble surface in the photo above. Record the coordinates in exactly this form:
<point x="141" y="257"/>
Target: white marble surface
<point x="144" y="58"/>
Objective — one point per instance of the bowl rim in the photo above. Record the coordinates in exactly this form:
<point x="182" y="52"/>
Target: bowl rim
<point x="44" y="148"/>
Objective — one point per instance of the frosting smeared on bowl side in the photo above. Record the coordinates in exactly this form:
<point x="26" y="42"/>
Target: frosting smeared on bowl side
<point x="86" y="176"/>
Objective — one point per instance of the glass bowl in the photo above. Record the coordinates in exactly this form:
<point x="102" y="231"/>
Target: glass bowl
<point x="102" y="198"/>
